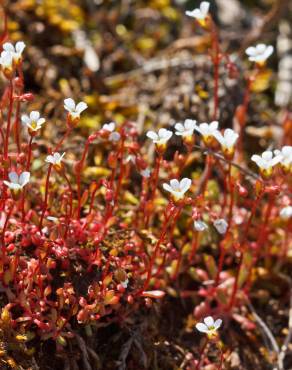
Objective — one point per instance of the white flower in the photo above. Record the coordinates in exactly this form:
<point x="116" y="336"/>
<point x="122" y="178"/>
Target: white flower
<point x="228" y="139"/>
<point x="266" y="162"/>
<point x="207" y="130"/>
<point x="185" y="129"/>
<point x="55" y="159"/>
<point x="17" y="182"/>
<point x="200" y="225"/>
<point x="34" y="122"/>
<point x="114" y="136"/>
<point x="200" y="13"/>
<point x="73" y="109"/>
<point x="286" y="154"/>
<point x="220" y="225"/>
<point x="178" y="188"/>
<point x="146" y="173"/>
<point x="109" y="126"/>
<point x="6" y="60"/>
<point x="259" y="53"/>
<point x="286" y="213"/>
<point x="161" y="138"/>
<point x="209" y="326"/>
<point x="15" y="51"/>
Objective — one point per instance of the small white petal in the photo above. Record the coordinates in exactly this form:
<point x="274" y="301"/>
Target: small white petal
<point x="217" y="324"/>
<point x="200" y="225"/>
<point x="7" y="46"/>
<point x="81" y="107"/>
<point x="185" y="184"/>
<point x="24" y="178"/>
<point x="202" y="327"/>
<point x="34" y="115"/>
<point x="174" y="183"/>
<point x="69" y="104"/>
<point x="220" y="225"/>
<point x="25" y="119"/>
<point x="286" y="213"/>
<point x="109" y="126"/>
<point x="167" y="187"/>
<point x="209" y="321"/>
<point x="114" y="136"/>
<point x="204" y="7"/>
<point x="19" y="47"/>
<point x="152" y="135"/>
<point x="13" y="177"/>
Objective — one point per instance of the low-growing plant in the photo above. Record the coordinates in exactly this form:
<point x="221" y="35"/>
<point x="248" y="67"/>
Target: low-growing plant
<point x="75" y="253"/>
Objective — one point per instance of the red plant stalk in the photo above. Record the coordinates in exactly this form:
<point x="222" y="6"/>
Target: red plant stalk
<point x="154" y="187"/>
<point x="242" y="118"/>
<point x="29" y="153"/>
<point x="194" y="246"/>
<point x="67" y="133"/>
<point x="96" y="186"/>
<point x="45" y="205"/>
<point x="220" y="263"/>
<point x="221" y="359"/>
<point x="235" y="286"/>
<point x="202" y="354"/>
<point x="245" y="234"/>
<point x="68" y="217"/>
<point x="170" y="234"/>
<point x="122" y="170"/>
<point x="207" y="172"/>
<point x="231" y="204"/>
<point x="285" y="242"/>
<point x="9" y="117"/>
<point x="263" y="235"/>
<point x="216" y="61"/>
<point x="16" y="127"/>
<point x="3" y="251"/>
<point x="79" y="168"/>
<point x="159" y="241"/>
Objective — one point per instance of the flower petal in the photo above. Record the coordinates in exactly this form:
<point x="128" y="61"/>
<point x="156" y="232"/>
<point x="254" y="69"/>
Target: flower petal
<point x="217" y="324"/>
<point x="80" y="107"/>
<point x="202" y="327"/>
<point x="13" y="177"/>
<point x="152" y="135"/>
<point x="24" y="178"/>
<point x="34" y="115"/>
<point x="19" y="47"/>
<point x="185" y="184"/>
<point x="167" y="187"/>
<point x="204" y="7"/>
<point x="209" y="321"/>
<point x="174" y="183"/>
<point x="69" y="104"/>
<point x="25" y="119"/>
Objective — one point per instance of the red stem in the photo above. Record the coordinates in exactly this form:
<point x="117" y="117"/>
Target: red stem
<point x="46" y="197"/>
<point x="69" y="217"/>
<point x="29" y="153"/>
<point x="156" y="248"/>
<point x="202" y="355"/>
<point x="216" y="61"/>
<point x="8" y="120"/>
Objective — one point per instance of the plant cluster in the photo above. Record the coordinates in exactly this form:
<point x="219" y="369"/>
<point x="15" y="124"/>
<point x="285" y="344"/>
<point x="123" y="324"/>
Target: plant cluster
<point x="75" y="253"/>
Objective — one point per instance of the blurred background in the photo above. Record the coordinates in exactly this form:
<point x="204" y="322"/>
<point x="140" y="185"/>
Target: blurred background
<point x="147" y="61"/>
